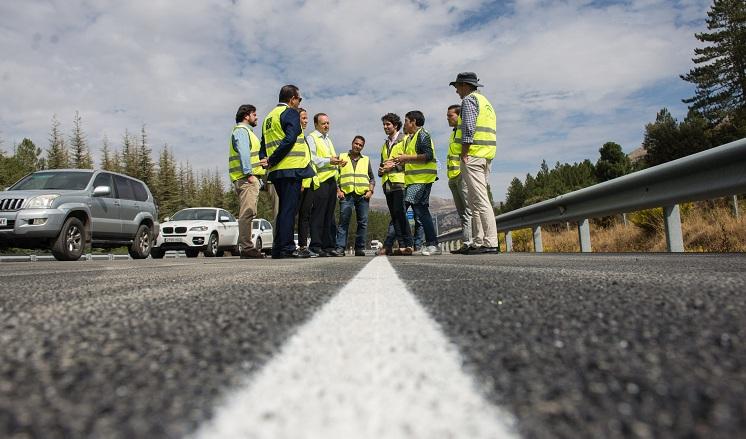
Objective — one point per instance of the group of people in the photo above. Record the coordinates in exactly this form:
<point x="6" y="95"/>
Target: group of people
<point x="306" y="177"/>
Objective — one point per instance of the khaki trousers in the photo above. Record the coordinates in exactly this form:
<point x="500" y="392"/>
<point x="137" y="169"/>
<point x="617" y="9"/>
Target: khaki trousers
<point x="248" y="194"/>
<point x="476" y="175"/>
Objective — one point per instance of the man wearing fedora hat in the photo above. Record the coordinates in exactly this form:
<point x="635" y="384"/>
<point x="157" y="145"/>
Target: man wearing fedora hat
<point x="476" y="131"/>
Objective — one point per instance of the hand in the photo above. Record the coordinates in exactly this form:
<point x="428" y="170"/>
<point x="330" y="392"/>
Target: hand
<point x="334" y="160"/>
<point x="388" y="165"/>
<point x="264" y="163"/>
<point x="251" y="178"/>
<point x="340" y="194"/>
<point x="368" y="195"/>
<point x="465" y="158"/>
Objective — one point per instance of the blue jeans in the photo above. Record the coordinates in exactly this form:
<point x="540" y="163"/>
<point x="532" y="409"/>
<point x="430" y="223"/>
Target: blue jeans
<point x="361" y="205"/>
<point x="419" y="234"/>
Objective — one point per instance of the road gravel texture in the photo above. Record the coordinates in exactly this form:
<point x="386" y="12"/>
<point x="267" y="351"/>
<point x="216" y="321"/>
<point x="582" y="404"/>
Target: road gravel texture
<point x="598" y="346"/>
<point x="144" y="349"/>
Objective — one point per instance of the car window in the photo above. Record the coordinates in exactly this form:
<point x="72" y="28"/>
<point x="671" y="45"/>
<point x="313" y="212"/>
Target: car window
<point x="194" y="214"/>
<point x="54" y="180"/>
<point x="141" y="194"/>
<point x="104" y="179"/>
<point x="123" y="188"/>
<point x="231" y="218"/>
<point x="267" y="225"/>
<point x="255" y="225"/>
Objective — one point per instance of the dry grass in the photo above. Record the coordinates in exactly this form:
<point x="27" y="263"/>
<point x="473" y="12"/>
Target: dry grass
<point x="707" y="227"/>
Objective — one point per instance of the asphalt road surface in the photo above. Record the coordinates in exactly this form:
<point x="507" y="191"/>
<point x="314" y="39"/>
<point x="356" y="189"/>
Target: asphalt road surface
<point x="513" y="345"/>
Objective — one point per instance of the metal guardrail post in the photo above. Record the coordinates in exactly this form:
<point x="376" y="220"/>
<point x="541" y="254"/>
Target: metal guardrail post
<point x="584" y="234"/>
<point x="538" y="247"/>
<point x="674" y="237"/>
<point x="508" y="241"/>
<point x="735" y="207"/>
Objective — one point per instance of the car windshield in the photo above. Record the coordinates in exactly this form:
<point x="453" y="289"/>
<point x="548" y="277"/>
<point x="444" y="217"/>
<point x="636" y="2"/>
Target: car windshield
<point x="194" y="214"/>
<point x="54" y="180"/>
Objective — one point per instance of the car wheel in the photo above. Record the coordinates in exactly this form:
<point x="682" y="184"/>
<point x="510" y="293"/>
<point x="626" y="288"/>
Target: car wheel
<point x="157" y="253"/>
<point x="70" y="242"/>
<point x="140" y="248"/>
<point x="258" y="244"/>
<point x="191" y="252"/>
<point x="212" y="246"/>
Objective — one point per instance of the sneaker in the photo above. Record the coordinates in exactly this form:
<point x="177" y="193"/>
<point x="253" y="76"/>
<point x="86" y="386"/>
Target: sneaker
<point x="359" y="252"/>
<point x="431" y="250"/>
<point x="406" y="251"/>
<point x="302" y="253"/>
<point x="336" y="252"/>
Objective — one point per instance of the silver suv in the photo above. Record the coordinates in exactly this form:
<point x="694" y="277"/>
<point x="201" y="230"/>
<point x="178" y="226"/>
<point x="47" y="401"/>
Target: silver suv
<point x="66" y="209"/>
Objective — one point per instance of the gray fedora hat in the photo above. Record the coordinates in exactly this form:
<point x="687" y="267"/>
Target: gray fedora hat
<point x="467" y="78"/>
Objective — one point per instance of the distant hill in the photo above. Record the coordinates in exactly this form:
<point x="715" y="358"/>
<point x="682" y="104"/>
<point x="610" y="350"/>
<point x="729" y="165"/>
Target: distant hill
<point x="442" y="208"/>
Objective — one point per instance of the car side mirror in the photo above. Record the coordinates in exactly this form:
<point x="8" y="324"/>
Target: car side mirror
<point x="100" y="191"/>
<point x="224" y="219"/>
<point x="166" y="219"/>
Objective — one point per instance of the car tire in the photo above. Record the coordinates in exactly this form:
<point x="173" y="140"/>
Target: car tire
<point x="258" y="243"/>
<point x="70" y="242"/>
<point x="157" y="253"/>
<point x="211" y="250"/>
<point x="142" y="244"/>
<point x="191" y="252"/>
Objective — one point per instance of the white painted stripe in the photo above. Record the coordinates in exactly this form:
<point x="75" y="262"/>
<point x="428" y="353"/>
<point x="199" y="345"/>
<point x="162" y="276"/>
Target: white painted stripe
<point x="370" y="364"/>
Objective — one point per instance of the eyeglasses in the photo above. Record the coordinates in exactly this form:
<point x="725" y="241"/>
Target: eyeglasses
<point x="300" y="99"/>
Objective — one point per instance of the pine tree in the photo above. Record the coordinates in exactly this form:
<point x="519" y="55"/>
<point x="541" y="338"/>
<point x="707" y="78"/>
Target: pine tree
<point x="81" y="158"/>
<point x="167" y="189"/>
<point x="57" y="152"/>
<point x="720" y="75"/>
<point x="516" y="196"/>
<point x="661" y="139"/>
<point x="108" y="160"/>
<point x="29" y="156"/>
<point x="130" y="164"/>
<point x="146" y="167"/>
<point x="613" y="162"/>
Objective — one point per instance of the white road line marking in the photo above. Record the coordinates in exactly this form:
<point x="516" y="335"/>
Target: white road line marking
<point x="370" y="364"/>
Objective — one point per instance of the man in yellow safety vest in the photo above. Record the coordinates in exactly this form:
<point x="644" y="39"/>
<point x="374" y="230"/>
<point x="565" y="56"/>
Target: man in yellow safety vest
<point x="456" y="181"/>
<point x="356" y="183"/>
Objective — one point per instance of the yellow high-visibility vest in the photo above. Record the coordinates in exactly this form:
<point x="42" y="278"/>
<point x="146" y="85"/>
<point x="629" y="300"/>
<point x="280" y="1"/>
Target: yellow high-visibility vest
<point x="298" y="157"/>
<point x="322" y="151"/>
<point x="235" y="169"/>
<point x="354" y="179"/>
<point x="485" y="134"/>
<point x="417" y="172"/>
<point x="454" y="157"/>
<point x="393" y="176"/>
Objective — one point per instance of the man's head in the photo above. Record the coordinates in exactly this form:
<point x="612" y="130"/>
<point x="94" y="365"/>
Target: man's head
<point x="321" y="122"/>
<point x="466" y="83"/>
<point x="391" y="123"/>
<point x="452" y="115"/>
<point x="358" y="142"/>
<point x="303" y="117"/>
<point x="290" y="94"/>
<point x="413" y="121"/>
<point x="247" y="114"/>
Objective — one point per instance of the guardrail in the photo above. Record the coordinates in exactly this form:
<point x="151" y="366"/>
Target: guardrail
<point x="715" y="173"/>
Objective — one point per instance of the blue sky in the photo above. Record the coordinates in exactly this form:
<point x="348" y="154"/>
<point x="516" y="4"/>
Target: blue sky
<point x="564" y="76"/>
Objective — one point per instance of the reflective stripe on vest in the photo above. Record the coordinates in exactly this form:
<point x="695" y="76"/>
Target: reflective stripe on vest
<point x="299" y="155"/>
<point x="416" y="172"/>
<point x="235" y="168"/>
<point x="453" y="161"/>
<point x="485" y="135"/>
<point x="398" y="149"/>
<point x="351" y="179"/>
<point x="322" y="151"/>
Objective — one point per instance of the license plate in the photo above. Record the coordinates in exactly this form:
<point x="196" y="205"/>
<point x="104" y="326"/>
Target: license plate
<point x="172" y="239"/>
<point x="3" y="222"/>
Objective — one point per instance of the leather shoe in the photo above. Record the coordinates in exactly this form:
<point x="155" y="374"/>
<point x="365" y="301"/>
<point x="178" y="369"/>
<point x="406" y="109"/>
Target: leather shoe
<point x="337" y="253"/>
<point x="252" y="254"/>
<point x="359" y="252"/>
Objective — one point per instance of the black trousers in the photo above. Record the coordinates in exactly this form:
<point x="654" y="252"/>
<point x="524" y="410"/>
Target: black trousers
<point x="304" y="216"/>
<point x="397" y="209"/>
<point x="323" y="234"/>
<point x="288" y="191"/>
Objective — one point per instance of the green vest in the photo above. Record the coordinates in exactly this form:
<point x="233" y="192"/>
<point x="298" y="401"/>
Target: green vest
<point x="454" y="157"/>
<point x="322" y="151"/>
<point x="416" y="172"/>
<point x="396" y="150"/>
<point x="485" y="135"/>
<point x="298" y="157"/>
<point x="354" y="179"/>
<point x="235" y="169"/>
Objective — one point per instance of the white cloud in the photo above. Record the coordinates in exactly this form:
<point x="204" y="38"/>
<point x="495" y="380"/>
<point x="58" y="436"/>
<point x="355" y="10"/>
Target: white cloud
<point x="564" y="76"/>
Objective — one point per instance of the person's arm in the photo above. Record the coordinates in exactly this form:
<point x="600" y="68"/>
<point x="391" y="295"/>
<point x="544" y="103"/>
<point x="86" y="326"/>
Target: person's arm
<point x="241" y="144"/>
<point x="290" y="122"/>
<point x="371" y="182"/>
<point x="423" y="150"/>
<point x="469" y="111"/>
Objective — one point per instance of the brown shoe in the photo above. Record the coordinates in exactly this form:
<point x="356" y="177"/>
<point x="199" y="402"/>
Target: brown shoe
<point x="407" y="251"/>
<point x="397" y="251"/>
<point x="252" y="254"/>
<point x="384" y="251"/>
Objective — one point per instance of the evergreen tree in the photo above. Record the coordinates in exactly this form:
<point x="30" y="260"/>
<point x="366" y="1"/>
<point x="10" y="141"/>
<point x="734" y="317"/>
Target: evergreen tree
<point x="81" y="158"/>
<point x="130" y="162"/>
<point x="146" y="167"/>
<point x="28" y="156"/>
<point x="57" y="152"/>
<point x="108" y="160"/>
<point x="661" y="139"/>
<point x="720" y="74"/>
<point x="167" y="189"/>
<point x="613" y="162"/>
<point x="516" y="196"/>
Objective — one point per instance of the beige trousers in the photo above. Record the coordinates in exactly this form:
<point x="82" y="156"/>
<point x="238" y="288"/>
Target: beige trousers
<point x="476" y="175"/>
<point x="248" y="194"/>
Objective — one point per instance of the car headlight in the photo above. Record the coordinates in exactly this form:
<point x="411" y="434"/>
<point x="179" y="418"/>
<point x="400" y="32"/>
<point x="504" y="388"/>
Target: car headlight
<point x="198" y="229"/>
<point x="41" y="202"/>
